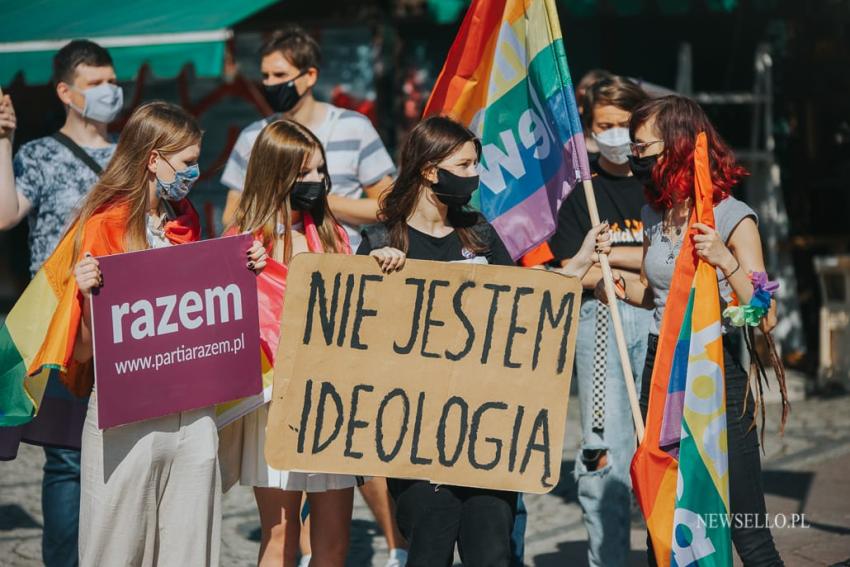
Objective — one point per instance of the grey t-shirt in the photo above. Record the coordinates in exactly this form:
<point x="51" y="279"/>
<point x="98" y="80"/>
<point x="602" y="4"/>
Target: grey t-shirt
<point x="55" y="182"/>
<point x="662" y="253"/>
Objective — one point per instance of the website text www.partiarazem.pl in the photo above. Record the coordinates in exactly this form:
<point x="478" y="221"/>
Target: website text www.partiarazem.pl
<point x="181" y="354"/>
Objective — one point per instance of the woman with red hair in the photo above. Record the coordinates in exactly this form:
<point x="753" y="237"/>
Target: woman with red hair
<point x="664" y="133"/>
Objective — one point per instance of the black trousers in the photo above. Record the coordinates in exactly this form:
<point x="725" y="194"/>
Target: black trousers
<point x="754" y="545"/>
<point x="433" y="518"/>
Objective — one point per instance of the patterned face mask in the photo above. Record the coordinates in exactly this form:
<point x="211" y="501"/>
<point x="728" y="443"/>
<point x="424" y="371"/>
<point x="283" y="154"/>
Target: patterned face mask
<point x="182" y="184"/>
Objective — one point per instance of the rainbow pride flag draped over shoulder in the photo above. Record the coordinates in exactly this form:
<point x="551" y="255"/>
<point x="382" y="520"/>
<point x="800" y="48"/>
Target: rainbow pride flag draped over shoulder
<point x="37" y="338"/>
<point x="271" y="289"/>
<point x="506" y="77"/>
<point x="680" y="471"/>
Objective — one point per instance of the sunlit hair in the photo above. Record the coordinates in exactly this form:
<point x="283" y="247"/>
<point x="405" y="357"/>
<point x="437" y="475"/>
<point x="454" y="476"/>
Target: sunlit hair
<point x="585" y="83"/>
<point x="282" y="149"/>
<point x="155" y="126"/>
<point x="678" y="120"/>
<point x="616" y="91"/>
<point x="429" y="142"/>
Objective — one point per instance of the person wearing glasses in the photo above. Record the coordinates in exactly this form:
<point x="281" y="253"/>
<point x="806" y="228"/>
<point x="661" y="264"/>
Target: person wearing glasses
<point x="608" y="436"/>
<point x="664" y="132"/>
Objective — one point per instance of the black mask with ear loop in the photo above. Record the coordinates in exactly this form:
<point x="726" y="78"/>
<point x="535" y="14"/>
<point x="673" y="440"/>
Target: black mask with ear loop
<point x="283" y="97"/>
<point x="454" y="190"/>
<point x="309" y="196"/>
<point x="642" y="168"/>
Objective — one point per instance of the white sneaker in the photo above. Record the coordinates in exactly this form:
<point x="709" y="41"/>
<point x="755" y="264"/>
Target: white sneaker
<point x="305" y="561"/>
<point x="398" y="558"/>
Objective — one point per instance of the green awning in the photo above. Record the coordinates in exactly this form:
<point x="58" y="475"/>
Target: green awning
<point x="166" y="35"/>
<point x="448" y="11"/>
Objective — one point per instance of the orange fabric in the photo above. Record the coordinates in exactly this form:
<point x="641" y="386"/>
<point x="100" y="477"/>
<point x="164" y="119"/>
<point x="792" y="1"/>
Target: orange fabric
<point x="537" y="256"/>
<point x="103" y="235"/>
<point x="653" y="470"/>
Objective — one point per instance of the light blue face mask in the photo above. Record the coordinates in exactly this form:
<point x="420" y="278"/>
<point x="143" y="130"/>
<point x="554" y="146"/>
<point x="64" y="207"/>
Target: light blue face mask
<point x="103" y="102"/>
<point x="182" y="184"/>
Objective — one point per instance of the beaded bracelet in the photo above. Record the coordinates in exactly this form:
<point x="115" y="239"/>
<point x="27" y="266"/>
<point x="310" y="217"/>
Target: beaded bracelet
<point x="752" y="314"/>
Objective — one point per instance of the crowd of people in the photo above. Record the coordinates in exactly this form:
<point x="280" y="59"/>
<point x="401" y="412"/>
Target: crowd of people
<point x="315" y="178"/>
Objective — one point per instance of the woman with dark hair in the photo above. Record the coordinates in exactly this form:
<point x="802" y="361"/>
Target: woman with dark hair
<point x="664" y="132"/>
<point x="425" y="218"/>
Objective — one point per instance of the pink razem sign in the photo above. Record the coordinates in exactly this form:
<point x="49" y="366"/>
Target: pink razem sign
<point x="175" y="329"/>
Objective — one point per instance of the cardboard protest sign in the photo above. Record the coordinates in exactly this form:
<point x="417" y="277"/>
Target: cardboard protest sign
<point x="175" y="329"/>
<point x="450" y="372"/>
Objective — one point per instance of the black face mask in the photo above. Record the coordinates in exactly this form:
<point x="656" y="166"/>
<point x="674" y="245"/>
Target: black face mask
<point x="642" y="168"/>
<point x="307" y="196"/>
<point x="283" y="97"/>
<point x="454" y="190"/>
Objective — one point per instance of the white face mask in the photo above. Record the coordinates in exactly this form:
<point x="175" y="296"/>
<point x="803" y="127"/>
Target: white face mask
<point x="614" y="144"/>
<point x="103" y="102"/>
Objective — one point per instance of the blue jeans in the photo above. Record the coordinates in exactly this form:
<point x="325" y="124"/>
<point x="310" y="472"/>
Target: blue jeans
<point x="604" y="493"/>
<point x="518" y="533"/>
<point x="60" y="505"/>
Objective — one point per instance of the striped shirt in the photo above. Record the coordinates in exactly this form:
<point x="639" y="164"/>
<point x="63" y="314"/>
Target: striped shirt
<point x="356" y="155"/>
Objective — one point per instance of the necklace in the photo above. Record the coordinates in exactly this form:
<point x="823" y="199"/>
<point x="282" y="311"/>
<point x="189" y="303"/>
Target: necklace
<point x="673" y="226"/>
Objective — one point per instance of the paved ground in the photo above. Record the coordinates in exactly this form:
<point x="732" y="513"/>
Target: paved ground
<point x="806" y="472"/>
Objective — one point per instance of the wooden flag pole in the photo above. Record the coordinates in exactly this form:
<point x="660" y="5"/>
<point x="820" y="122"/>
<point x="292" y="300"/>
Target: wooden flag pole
<point x="608" y="278"/>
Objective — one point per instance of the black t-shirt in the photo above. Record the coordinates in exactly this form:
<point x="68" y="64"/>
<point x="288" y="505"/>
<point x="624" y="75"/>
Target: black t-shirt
<point x="618" y="199"/>
<point x="448" y="248"/>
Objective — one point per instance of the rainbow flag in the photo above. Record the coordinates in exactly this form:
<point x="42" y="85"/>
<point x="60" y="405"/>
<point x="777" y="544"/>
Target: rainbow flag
<point x="37" y="337"/>
<point x="680" y="472"/>
<point x="271" y="287"/>
<point x="506" y="77"/>
<point x="23" y="380"/>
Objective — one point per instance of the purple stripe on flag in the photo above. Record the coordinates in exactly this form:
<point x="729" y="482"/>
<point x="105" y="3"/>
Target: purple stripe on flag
<point x="671" y="426"/>
<point x="674" y="406"/>
<point x="534" y="220"/>
<point x="527" y="224"/>
<point x="575" y="152"/>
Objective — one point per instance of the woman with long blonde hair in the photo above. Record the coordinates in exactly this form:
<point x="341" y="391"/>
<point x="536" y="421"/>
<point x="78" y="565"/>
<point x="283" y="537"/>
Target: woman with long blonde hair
<point x="284" y="204"/>
<point x="150" y="491"/>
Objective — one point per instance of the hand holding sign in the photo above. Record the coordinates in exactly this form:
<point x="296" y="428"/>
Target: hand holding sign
<point x="435" y="372"/>
<point x="184" y="339"/>
<point x="88" y="276"/>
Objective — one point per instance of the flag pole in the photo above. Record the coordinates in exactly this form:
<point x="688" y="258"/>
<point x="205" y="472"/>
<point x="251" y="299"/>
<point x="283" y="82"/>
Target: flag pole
<point x="608" y="278"/>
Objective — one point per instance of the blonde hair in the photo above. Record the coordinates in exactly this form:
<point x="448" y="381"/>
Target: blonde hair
<point x="155" y="126"/>
<point x="280" y="152"/>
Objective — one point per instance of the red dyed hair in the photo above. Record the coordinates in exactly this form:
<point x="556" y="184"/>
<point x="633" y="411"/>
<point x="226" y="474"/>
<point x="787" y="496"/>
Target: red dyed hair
<point x="678" y="120"/>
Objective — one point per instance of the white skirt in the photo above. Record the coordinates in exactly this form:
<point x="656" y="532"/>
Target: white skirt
<point x="242" y="459"/>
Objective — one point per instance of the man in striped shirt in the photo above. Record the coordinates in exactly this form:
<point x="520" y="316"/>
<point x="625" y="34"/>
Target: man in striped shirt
<point x="358" y="163"/>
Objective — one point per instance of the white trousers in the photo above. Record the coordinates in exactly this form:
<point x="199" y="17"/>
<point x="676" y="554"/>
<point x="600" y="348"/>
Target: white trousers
<point x="151" y="492"/>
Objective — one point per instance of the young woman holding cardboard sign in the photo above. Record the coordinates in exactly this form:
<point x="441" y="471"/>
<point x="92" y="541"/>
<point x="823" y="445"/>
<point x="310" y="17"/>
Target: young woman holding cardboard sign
<point x="140" y="482"/>
<point x="425" y="218"/>
<point x="284" y="203"/>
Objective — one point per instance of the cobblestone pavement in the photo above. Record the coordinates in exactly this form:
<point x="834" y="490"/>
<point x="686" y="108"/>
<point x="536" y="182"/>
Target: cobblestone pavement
<point x="805" y="473"/>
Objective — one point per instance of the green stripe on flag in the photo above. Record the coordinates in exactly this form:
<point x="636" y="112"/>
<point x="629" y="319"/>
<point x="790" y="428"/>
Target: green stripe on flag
<point x="700" y="499"/>
<point x="506" y="110"/>
<point x="15" y="406"/>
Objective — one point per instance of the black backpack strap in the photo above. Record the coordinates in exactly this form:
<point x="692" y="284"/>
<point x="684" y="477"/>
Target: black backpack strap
<point x="377" y="235"/>
<point x="78" y="152"/>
